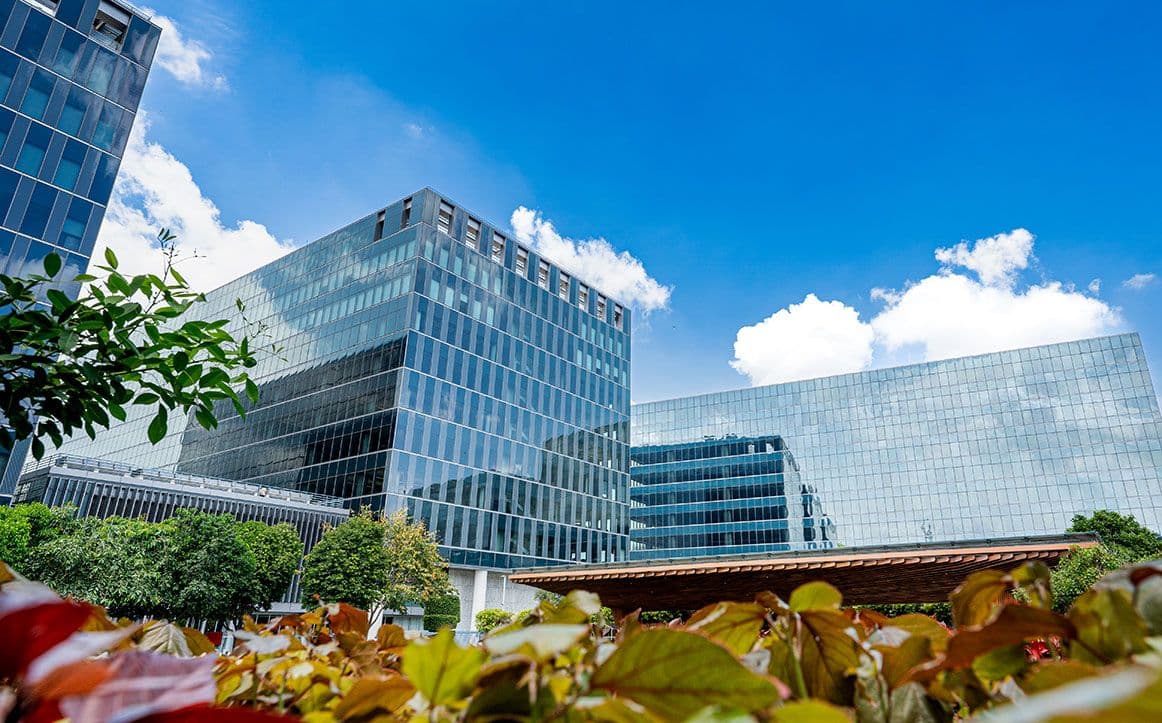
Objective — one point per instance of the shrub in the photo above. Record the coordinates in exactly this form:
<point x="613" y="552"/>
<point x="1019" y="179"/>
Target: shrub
<point x="1009" y="657"/>
<point x="490" y="618"/>
<point x="442" y="611"/>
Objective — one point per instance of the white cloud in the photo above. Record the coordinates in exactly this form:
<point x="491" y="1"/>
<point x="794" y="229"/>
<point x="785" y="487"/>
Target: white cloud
<point x="185" y="58"/>
<point x="1138" y="282"/>
<point x="1095" y="286"/>
<point x="995" y="259"/>
<point x="154" y="190"/>
<point x="593" y="260"/>
<point x="974" y="305"/>
<point x="810" y="339"/>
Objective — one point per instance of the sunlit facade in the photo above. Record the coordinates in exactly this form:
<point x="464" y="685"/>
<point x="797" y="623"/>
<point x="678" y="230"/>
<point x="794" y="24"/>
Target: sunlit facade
<point x="998" y="445"/>
<point x="428" y="362"/>
<point x="71" y="77"/>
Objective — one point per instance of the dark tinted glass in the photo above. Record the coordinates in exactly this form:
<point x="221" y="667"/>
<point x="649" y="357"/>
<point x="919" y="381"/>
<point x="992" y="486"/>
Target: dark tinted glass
<point x="69" y="168"/>
<point x="39" y="207"/>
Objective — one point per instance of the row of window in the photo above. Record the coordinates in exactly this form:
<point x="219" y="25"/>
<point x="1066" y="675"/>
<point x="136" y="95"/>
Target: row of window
<point x="496" y="250"/>
<point x="42" y="96"/>
<point x="94" y="65"/>
<point x="470" y="268"/>
<point x="40" y="153"/>
<point x="42" y="212"/>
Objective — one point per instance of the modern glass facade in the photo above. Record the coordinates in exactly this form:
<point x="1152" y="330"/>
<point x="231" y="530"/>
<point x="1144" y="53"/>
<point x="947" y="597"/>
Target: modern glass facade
<point x="428" y="362"/>
<point x="998" y="445"/>
<point x="724" y="496"/>
<point x="71" y="77"/>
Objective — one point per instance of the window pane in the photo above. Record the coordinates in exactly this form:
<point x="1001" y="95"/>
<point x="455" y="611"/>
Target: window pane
<point x="36" y="97"/>
<point x="69" y="168"/>
<point x="32" y="154"/>
<point x="72" y="235"/>
<point x="8" y="65"/>
<point x="33" y="36"/>
<point x="69" y="53"/>
<point x="73" y="114"/>
<point x="39" y="207"/>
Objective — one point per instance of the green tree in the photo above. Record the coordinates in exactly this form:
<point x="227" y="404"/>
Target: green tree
<point x="71" y="365"/>
<point x="490" y="618"/>
<point x="349" y="564"/>
<point x="415" y="570"/>
<point x="25" y="526"/>
<point x="207" y="571"/>
<point x="1123" y="534"/>
<point x="376" y="563"/>
<point x="113" y="562"/>
<point x="277" y="552"/>
<point x="442" y="610"/>
<point x="1078" y="570"/>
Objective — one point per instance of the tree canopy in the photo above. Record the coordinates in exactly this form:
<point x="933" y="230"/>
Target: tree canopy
<point x="24" y="527"/>
<point x="1127" y="537"/>
<point x="277" y="552"/>
<point x="375" y="562"/>
<point x="194" y="565"/>
<point x="70" y="365"/>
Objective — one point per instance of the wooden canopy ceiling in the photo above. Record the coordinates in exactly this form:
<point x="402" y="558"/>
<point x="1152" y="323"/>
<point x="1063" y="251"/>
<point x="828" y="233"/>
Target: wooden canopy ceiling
<point x="896" y="574"/>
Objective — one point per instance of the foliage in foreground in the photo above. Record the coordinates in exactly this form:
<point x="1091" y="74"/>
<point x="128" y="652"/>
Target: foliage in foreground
<point x="69" y="366"/>
<point x="806" y="659"/>
<point x="195" y="565"/>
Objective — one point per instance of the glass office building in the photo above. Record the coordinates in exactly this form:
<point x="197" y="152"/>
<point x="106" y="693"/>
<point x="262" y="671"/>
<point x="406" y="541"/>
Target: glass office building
<point x="71" y="77"/>
<point x="997" y="445"/>
<point x="428" y="362"/>
<point x="728" y="495"/>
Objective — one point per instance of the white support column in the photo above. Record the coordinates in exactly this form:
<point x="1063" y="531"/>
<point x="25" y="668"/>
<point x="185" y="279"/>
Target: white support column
<point x="479" y="596"/>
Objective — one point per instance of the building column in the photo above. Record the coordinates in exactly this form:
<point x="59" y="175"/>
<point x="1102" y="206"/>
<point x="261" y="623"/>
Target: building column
<point x="479" y="596"/>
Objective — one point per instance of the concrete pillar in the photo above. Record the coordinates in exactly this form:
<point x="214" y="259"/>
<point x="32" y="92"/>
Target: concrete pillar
<point x="479" y="596"/>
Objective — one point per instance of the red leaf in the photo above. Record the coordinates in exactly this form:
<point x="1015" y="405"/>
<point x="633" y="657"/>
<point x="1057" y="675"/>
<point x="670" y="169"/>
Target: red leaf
<point x="142" y="683"/>
<point x="199" y="713"/>
<point x="30" y="632"/>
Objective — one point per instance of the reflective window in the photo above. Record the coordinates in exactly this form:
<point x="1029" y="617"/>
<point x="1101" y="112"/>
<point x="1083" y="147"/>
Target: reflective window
<point x="73" y="114"/>
<point x="69" y="54"/>
<point x="32" y="153"/>
<point x="36" y="97"/>
<point x="69" y="168"/>
<point x="8" y="65"/>
<point x="39" y="208"/>
<point x="73" y="232"/>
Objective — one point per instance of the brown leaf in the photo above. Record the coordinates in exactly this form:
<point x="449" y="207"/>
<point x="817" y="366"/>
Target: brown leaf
<point x="75" y="678"/>
<point x="346" y="618"/>
<point x="829" y="655"/>
<point x="974" y="599"/>
<point x="1013" y="624"/>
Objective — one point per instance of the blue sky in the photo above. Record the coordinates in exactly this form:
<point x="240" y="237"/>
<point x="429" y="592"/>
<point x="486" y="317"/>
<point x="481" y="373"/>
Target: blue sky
<point x="787" y="170"/>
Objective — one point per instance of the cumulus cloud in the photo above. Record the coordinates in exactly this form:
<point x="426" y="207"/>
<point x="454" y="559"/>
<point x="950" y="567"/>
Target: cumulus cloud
<point x="813" y="338"/>
<point x="974" y="304"/>
<point x="593" y="260"/>
<point x="1138" y="282"/>
<point x="996" y="259"/>
<point x="154" y="190"/>
<point x="1095" y="286"/>
<point x="185" y="58"/>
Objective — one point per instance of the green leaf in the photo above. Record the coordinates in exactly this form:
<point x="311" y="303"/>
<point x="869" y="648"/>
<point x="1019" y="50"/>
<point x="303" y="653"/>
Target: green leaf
<point x="117" y="411"/>
<point x="735" y="625"/>
<point x="252" y="391"/>
<point x="911" y="704"/>
<point x="829" y="654"/>
<point x="815" y="595"/>
<point x="110" y="258"/>
<point x="206" y="419"/>
<point x="181" y="360"/>
<point x="1000" y="663"/>
<point x="1108" y="627"/>
<point x="146" y="398"/>
<point x="442" y="671"/>
<point x="52" y="265"/>
<point x="1049" y="674"/>
<point x="675" y="674"/>
<point x="159" y="425"/>
<point x="974" y="601"/>
<point x="537" y="641"/>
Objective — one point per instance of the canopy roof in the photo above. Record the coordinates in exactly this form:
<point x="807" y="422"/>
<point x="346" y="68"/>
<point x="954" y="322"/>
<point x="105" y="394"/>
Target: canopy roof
<point x="891" y="574"/>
